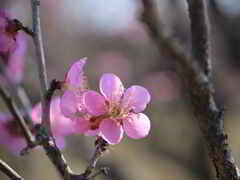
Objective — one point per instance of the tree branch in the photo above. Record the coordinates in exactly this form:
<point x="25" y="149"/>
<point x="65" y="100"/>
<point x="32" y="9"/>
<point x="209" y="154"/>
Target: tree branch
<point x="44" y="129"/>
<point x="199" y="29"/>
<point x="27" y="106"/>
<point x="197" y="76"/>
<point x="65" y="171"/>
<point x="55" y="154"/>
<point x="18" y="116"/>
<point x="17" y="93"/>
<point x="42" y="72"/>
<point x="209" y="115"/>
<point x="11" y="173"/>
<point x="38" y="42"/>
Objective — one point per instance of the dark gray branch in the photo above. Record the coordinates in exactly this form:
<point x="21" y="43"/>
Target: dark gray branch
<point x="64" y="170"/>
<point x="209" y="115"/>
<point x="199" y="29"/>
<point x="11" y="173"/>
<point x="196" y="72"/>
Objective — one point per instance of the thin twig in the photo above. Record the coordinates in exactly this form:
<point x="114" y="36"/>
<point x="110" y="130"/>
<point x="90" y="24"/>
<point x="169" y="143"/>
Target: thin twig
<point x="65" y="171"/>
<point x="197" y="75"/>
<point x="18" y="116"/>
<point x="37" y="38"/>
<point x="53" y="152"/>
<point x="27" y="106"/>
<point x="11" y="173"/>
<point x="46" y="105"/>
<point x="14" y="91"/>
<point x="41" y="62"/>
<point x="104" y="171"/>
<point x="19" y="25"/>
<point x="101" y="145"/>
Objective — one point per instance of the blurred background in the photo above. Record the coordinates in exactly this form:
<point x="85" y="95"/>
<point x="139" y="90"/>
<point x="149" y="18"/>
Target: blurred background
<point x="110" y="34"/>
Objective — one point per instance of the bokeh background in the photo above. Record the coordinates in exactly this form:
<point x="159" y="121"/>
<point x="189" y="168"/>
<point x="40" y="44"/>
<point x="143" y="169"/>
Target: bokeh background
<point x="110" y="34"/>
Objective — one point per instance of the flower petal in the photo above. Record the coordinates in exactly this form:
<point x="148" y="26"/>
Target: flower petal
<point x="7" y="43"/>
<point x="92" y="132"/>
<point x="94" y="103"/>
<point x="60" y="142"/>
<point x="111" y="87"/>
<point x="4" y="18"/>
<point x="59" y="123"/>
<point x="37" y="114"/>
<point x="111" y="131"/>
<point x="68" y="104"/>
<point x="137" y="126"/>
<point x="136" y="98"/>
<point x="15" y="67"/>
<point x="81" y="126"/>
<point x="75" y="76"/>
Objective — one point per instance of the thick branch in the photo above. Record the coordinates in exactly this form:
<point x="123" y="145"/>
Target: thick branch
<point x="199" y="29"/>
<point x="11" y="173"/>
<point x="209" y="115"/>
<point x="197" y="75"/>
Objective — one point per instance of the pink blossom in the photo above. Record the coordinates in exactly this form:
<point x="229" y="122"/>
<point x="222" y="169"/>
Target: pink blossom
<point x="114" y="111"/>
<point x="16" y="60"/>
<point x="11" y="135"/>
<point x="12" y="48"/>
<point x="75" y="84"/>
<point x="8" y="34"/>
<point x="60" y="125"/>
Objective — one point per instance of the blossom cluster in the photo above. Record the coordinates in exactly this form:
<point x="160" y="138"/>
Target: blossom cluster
<point x="107" y="114"/>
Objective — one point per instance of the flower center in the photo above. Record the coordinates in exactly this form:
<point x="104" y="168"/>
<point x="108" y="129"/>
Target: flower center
<point x="115" y="111"/>
<point x="96" y="120"/>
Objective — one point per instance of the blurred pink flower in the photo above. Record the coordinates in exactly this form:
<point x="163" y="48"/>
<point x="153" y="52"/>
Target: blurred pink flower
<point x="8" y="33"/>
<point x="60" y="125"/>
<point x="12" y="48"/>
<point x="10" y="134"/>
<point x="16" y="60"/>
<point x="115" y="111"/>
